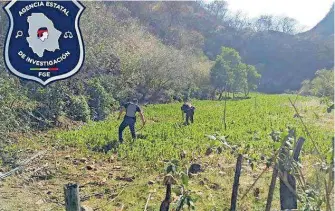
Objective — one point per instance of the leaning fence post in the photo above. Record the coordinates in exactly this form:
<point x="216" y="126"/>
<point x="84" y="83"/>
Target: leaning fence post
<point x="72" y="199"/>
<point x="272" y="187"/>
<point x="236" y="183"/>
<point x="288" y="200"/>
<point x="298" y="148"/>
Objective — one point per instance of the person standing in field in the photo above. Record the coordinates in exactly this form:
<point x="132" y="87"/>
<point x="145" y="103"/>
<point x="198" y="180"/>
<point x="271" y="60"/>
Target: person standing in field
<point x="131" y="109"/>
<point x="188" y="109"/>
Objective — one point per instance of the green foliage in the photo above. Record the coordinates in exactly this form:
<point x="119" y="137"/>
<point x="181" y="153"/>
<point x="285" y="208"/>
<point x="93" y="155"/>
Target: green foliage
<point x="52" y="101"/>
<point x="131" y="62"/>
<point x="15" y="109"/>
<point x="79" y="109"/>
<point x="222" y="73"/>
<point x="185" y="201"/>
<point x="98" y="100"/>
<point x="322" y="85"/>
<point x="125" y="58"/>
<point x="165" y="138"/>
<point x="256" y="132"/>
<point x="270" y="41"/>
<point x="140" y="63"/>
<point x="171" y="167"/>
<point x="253" y="79"/>
<point x="230" y="74"/>
<point x="14" y="106"/>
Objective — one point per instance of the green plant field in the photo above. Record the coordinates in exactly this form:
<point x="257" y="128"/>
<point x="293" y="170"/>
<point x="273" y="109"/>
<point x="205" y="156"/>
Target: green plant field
<point x="250" y="123"/>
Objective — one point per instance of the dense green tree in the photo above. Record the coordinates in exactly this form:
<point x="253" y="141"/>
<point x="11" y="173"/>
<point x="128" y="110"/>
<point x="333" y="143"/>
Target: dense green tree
<point x="322" y="85"/>
<point x="231" y="75"/>
<point x="240" y="78"/>
<point x="98" y="100"/>
<point x="79" y="109"/>
<point x="253" y="78"/>
<point x="221" y="76"/>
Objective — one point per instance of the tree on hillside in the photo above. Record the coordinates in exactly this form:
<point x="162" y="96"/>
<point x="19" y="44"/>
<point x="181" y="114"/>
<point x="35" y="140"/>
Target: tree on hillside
<point x="238" y="21"/>
<point x="280" y="54"/>
<point x="218" y="8"/>
<point x="322" y="85"/>
<point x="287" y="25"/>
<point x="264" y="23"/>
<point x="276" y="23"/>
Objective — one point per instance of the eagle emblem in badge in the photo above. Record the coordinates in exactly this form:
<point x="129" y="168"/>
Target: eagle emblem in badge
<point x="44" y="42"/>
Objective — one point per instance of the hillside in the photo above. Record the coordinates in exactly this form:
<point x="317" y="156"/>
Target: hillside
<point x="285" y="60"/>
<point x="163" y="53"/>
<point x="325" y="27"/>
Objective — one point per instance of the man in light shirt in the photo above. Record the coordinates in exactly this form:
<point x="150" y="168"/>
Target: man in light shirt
<point x="131" y="109"/>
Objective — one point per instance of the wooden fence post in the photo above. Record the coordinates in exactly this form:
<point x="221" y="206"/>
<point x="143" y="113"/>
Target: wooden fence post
<point x="298" y="148"/>
<point x="72" y="199"/>
<point x="236" y="183"/>
<point x="288" y="200"/>
<point x="272" y="187"/>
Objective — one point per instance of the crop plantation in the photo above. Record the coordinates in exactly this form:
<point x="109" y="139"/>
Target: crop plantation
<point x="130" y="175"/>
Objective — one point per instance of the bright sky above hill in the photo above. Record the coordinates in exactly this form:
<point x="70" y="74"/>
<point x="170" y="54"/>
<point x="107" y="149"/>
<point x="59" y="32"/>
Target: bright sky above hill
<point x="307" y="12"/>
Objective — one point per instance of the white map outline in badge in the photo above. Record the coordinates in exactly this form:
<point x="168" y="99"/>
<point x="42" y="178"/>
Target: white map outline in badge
<point x="55" y="78"/>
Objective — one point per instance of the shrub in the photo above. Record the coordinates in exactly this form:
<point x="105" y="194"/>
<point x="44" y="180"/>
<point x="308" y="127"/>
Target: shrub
<point x="79" y="109"/>
<point x="99" y="100"/>
<point x="321" y="86"/>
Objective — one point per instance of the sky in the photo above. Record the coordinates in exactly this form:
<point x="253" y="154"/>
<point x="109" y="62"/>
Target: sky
<point x="307" y="12"/>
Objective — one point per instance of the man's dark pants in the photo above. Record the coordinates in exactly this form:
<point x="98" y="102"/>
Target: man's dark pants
<point x="189" y="116"/>
<point x="127" y="121"/>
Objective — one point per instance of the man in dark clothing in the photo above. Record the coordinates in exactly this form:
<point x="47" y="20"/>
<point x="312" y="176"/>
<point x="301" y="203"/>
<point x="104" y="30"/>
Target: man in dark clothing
<point x="130" y="118"/>
<point x="188" y="110"/>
